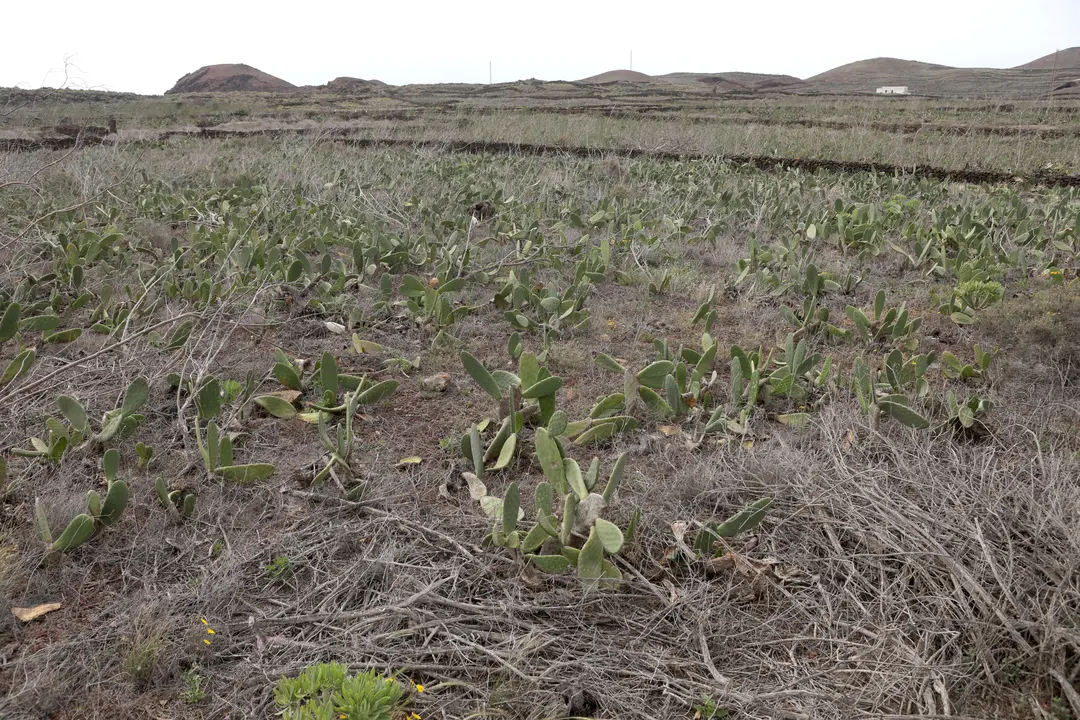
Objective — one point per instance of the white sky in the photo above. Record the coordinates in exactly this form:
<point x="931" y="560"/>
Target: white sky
<point x="146" y="46"/>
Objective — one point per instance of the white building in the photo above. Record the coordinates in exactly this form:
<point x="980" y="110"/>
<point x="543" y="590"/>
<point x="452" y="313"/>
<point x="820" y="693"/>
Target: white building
<point x="893" y="90"/>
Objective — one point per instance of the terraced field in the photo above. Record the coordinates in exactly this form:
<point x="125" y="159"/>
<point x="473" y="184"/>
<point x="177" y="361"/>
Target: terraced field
<point x="624" y="426"/>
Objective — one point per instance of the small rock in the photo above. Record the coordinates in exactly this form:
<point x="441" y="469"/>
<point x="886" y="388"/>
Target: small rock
<point x="436" y="383"/>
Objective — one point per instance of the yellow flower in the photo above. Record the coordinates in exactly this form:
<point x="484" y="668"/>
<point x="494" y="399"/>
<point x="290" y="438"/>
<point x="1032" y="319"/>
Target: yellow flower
<point x="414" y="716"/>
<point x="203" y="621"/>
<point x="611" y="324"/>
<point x="206" y="642"/>
<point x="419" y="687"/>
<point x="210" y="631"/>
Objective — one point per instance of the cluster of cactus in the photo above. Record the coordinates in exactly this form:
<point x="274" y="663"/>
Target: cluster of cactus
<point x="707" y="541"/>
<point x="796" y="375"/>
<point x="108" y="316"/>
<point x="953" y="367"/>
<point x="893" y="325"/>
<point x="100" y="513"/>
<point x="429" y="302"/>
<point x="581" y="539"/>
<point x="811" y="319"/>
<point x="9" y="322"/>
<point x="596" y="264"/>
<point x="216" y="447"/>
<point x="200" y="288"/>
<point x="892" y="391"/>
<point x="334" y="384"/>
<point x="19" y="365"/>
<point x="528" y="305"/>
<point x="526" y="400"/>
<point x="670" y="387"/>
<point x="659" y="282"/>
<point x="118" y="421"/>
<point x="705" y="312"/>
<point x="179" y="504"/>
<point x="53" y="312"/>
<point x="341" y="395"/>
<point x="965" y="416"/>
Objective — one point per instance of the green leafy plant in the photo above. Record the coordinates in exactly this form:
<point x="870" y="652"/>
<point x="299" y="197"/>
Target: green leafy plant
<point x="709" y="709"/>
<point x="970" y="296"/>
<point x="192" y="693"/>
<point x="327" y="691"/>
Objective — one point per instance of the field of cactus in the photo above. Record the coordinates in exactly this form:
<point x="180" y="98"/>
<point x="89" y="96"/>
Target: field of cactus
<point x="536" y="436"/>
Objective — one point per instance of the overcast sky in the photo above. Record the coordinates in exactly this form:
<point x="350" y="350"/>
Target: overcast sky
<point x="146" y="47"/>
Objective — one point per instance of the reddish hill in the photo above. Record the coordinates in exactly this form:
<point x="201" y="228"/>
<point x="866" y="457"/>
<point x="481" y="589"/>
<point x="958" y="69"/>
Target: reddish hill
<point x="1069" y="58"/>
<point x="229" y="78"/>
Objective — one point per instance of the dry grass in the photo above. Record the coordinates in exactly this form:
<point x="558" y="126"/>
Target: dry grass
<point x="899" y="575"/>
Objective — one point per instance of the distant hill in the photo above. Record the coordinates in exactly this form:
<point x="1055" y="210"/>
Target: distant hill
<point x="736" y="80"/>
<point x="1062" y="59"/>
<point x="870" y="71"/>
<point x="229" y="78"/>
<point x="351" y="84"/>
<point x="619" y="76"/>
<point x="922" y="78"/>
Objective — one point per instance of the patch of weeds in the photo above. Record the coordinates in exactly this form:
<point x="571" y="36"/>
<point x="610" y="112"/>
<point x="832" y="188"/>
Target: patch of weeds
<point x="142" y="658"/>
<point x="279" y="566"/>
<point x="230" y="390"/>
<point x="192" y="693"/>
<point x="1060" y="710"/>
<point x="709" y="710"/>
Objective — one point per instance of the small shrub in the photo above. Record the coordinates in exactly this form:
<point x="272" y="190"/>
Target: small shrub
<point x="278" y="566"/>
<point x="327" y="690"/>
<point x="192" y="692"/>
